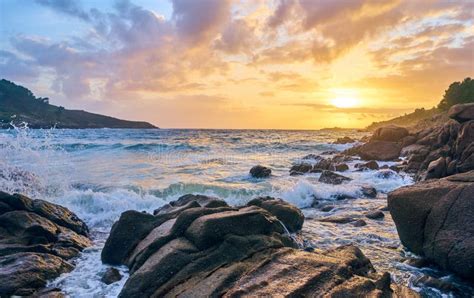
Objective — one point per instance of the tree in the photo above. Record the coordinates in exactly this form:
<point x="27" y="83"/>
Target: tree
<point x="458" y="92"/>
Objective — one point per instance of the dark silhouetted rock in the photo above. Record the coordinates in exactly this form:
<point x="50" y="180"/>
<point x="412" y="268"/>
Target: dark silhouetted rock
<point x="291" y="216"/>
<point x="369" y="191"/>
<point x="110" y="276"/>
<point x="435" y="219"/>
<point x="260" y="172"/>
<point x="377" y="214"/>
<point x="300" y="169"/>
<point x="342" y="167"/>
<point x="337" y="219"/>
<point x="462" y="112"/>
<point x="333" y="178"/>
<point x="390" y="133"/>
<point x="359" y="223"/>
<point x="327" y="208"/>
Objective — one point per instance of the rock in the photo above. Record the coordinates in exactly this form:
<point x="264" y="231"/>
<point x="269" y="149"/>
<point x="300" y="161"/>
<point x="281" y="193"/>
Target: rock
<point x="337" y="219"/>
<point x="379" y="150"/>
<point x="369" y="191"/>
<point x="110" y="276"/>
<point x="342" y="167"/>
<point x="23" y="273"/>
<point x="390" y="133"/>
<point x="437" y="169"/>
<point x="342" y="196"/>
<point x="260" y="172"/>
<point x="436" y="283"/>
<point x="417" y="262"/>
<point x="408" y="140"/>
<point x="359" y="223"/>
<point x="36" y="239"/>
<point x="125" y="234"/>
<point x="300" y="169"/>
<point x="243" y="252"/>
<point x="327" y="208"/>
<point x="435" y="219"/>
<point x="464" y="148"/>
<point x="462" y="112"/>
<point x="288" y="214"/>
<point x="333" y="178"/>
<point x="377" y="214"/>
<point x="386" y="174"/>
<point x="312" y="157"/>
<point x="371" y="165"/>
<point x="344" y="140"/>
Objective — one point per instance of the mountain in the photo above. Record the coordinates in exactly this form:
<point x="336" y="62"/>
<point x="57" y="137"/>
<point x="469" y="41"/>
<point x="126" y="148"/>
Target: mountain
<point x="18" y="105"/>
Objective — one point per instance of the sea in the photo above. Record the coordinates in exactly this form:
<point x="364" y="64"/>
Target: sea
<point x="100" y="173"/>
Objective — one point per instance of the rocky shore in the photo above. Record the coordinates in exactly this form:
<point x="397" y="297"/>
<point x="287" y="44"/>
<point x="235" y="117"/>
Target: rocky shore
<point x="38" y="240"/>
<point x="200" y="246"/>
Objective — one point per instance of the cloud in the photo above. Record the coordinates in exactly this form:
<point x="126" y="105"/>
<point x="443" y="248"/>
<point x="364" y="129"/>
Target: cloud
<point x="199" y="21"/>
<point x="238" y="37"/>
<point x="15" y="68"/>
<point x="69" y="7"/>
<point x="355" y="110"/>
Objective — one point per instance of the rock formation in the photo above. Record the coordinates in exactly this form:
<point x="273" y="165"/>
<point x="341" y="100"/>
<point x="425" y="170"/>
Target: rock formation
<point x="189" y="249"/>
<point x="37" y="238"/>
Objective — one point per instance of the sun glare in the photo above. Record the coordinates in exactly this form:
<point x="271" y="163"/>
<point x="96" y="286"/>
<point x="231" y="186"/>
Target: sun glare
<point x="344" y="102"/>
<point x="344" y="98"/>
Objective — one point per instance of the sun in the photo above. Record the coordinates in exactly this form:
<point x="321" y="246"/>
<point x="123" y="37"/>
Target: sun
<point x="344" y="102"/>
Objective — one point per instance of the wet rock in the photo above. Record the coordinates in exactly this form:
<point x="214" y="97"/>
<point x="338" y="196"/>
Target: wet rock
<point x="36" y="239"/>
<point x="344" y="140"/>
<point x="337" y="219"/>
<point x="434" y="219"/>
<point x="386" y="174"/>
<point x="333" y="178"/>
<point x="359" y="223"/>
<point x="442" y="285"/>
<point x="417" y="262"/>
<point x="300" y="169"/>
<point x="312" y="157"/>
<point x="23" y="273"/>
<point x="371" y="165"/>
<point x="390" y="133"/>
<point x="260" y="172"/>
<point x="289" y="215"/>
<point x="110" y="276"/>
<point x="369" y="191"/>
<point x="342" y="167"/>
<point x="377" y="214"/>
<point x="342" y="196"/>
<point x="462" y="112"/>
<point x="379" y="150"/>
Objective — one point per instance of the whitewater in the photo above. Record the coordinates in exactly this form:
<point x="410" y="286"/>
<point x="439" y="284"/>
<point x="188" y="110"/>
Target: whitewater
<point x="100" y="173"/>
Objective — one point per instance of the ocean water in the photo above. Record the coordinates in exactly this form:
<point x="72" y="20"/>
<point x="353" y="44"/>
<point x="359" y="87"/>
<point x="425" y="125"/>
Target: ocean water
<point x="99" y="173"/>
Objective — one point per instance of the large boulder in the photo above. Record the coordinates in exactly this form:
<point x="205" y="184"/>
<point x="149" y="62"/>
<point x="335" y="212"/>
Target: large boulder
<point x="228" y="252"/>
<point x="462" y="112"/>
<point x="435" y="219"/>
<point x="379" y="150"/>
<point x="289" y="215"/>
<point x="390" y="133"/>
<point x="37" y="238"/>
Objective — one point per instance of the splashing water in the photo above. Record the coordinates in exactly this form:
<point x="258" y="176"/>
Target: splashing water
<point x="100" y="173"/>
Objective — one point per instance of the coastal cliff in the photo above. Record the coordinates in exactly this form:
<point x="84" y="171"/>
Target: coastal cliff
<point x="19" y="105"/>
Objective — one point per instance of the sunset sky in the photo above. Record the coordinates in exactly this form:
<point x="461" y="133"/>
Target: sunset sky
<point x="284" y="64"/>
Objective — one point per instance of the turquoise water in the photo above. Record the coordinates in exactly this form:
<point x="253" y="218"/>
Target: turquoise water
<point x="99" y="173"/>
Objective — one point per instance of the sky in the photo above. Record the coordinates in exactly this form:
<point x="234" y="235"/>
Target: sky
<point x="267" y="64"/>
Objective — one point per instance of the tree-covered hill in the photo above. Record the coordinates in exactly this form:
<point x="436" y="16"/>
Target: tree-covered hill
<point x="18" y="105"/>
